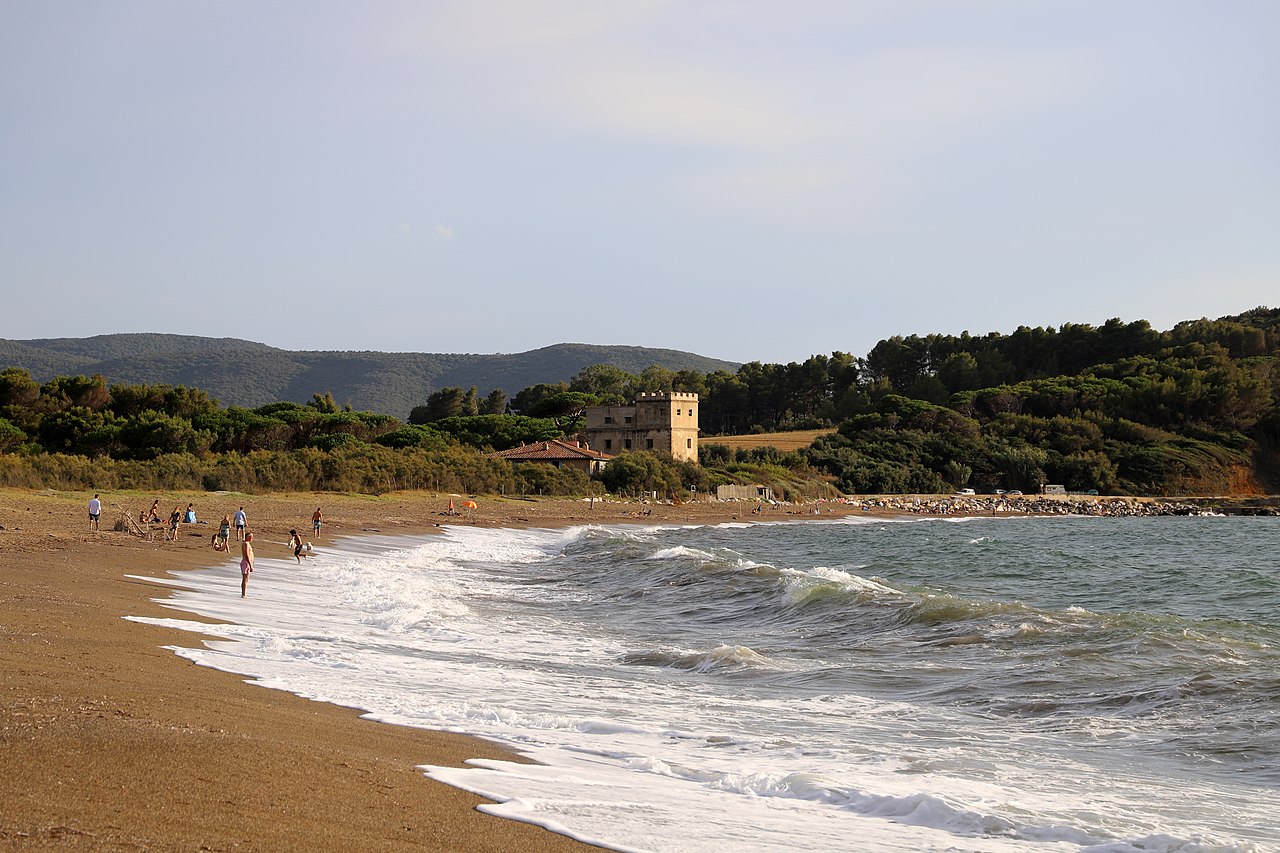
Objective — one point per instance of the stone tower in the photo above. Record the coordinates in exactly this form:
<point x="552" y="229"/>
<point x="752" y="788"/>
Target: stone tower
<point x="665" y="421"/>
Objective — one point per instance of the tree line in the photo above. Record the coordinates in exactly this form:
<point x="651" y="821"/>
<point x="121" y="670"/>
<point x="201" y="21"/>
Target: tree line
<point x="1119" y="408"/>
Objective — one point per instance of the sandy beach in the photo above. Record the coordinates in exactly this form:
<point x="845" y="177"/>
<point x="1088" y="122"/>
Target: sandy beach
<point x="108" y="741"/>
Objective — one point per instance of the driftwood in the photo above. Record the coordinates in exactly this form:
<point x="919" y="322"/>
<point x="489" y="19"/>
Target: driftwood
<point x="126" y="523"/>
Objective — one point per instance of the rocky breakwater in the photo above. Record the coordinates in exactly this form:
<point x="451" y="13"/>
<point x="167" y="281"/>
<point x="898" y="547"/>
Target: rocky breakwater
<point x="965" y="505"/>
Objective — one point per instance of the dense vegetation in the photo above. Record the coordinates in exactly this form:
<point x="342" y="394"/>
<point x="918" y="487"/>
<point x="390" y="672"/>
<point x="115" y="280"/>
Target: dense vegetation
<point x="1120" y="408"/>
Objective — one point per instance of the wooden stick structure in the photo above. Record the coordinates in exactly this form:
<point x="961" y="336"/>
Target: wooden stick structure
<point x="126" y="522"/>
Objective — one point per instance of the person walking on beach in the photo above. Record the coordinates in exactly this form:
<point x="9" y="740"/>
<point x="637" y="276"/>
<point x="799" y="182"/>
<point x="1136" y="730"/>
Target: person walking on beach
<point x="224" y="532"/>
<point x="315" y="522"/>
<point x="246" y="563"/>
<point x="239" y="524"/>
<point x="95" y="511"/>
<point x="175" y="518"/>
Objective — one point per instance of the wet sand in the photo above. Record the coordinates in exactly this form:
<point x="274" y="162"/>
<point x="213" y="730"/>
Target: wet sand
<point x="109" y="741"/>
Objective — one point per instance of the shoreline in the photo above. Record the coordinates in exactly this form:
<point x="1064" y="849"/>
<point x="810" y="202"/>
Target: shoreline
<point x="112" y="740"/>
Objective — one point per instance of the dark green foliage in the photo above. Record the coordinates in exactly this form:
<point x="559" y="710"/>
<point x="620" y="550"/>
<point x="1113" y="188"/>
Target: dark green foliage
<point x="715" y="455"/>
<point x="498" y="432"/>
<point x="323" y="403"/>
<point x="495" y="403"/>
<point x="332" y="440"/>
<point x="10" y="436"/>
<point x="445" y="403"/>
<point x="566" y="408"/>
<point x="152" y="434"/>
<point x="524" y="402"/>
<point x="534" y="478"/>
<point x="643" y="471"/>
<point x="17" y="388"/>
<point x="413" y="435"/>
<point x="1118" y="408"/>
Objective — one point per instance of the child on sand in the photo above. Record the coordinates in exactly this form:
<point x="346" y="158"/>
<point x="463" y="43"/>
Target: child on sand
<point x="295" y="542"/>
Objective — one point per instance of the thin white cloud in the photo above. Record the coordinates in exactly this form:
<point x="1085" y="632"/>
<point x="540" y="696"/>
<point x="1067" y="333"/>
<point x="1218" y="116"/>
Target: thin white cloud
<point x="579" y="68"/>
<point x="485" y="28"/>
<point x="445" y="232"/>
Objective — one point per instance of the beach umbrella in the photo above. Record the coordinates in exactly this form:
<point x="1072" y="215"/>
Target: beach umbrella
<point x="469" y="504"/>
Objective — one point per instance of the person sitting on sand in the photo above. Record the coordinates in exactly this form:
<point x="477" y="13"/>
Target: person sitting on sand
<point x="246" y="563"/>
<point x="218" y="543"/>
<point x="153" y="514"/>
<point x="295" y="542"/>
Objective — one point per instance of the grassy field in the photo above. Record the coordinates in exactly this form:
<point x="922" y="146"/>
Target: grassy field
<point x="781" y="440"/>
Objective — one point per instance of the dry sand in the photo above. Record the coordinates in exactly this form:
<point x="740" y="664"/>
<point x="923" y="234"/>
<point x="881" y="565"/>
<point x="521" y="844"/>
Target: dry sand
<point x="108" y="741"/>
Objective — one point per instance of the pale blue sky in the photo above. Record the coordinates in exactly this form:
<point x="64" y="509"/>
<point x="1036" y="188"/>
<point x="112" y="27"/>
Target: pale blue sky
<point x="750" y="180"/>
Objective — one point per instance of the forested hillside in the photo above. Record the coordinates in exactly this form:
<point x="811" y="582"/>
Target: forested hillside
<point x="243" y="373"/>
<point x="1119" y="408"/>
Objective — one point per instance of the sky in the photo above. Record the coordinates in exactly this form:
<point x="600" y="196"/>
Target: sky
<point x="744" y="180"/>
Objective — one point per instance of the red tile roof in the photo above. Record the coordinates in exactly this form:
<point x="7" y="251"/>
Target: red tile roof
<point x="549" y="451"/>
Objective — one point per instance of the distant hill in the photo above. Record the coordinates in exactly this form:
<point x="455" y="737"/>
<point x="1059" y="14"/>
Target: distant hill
<point x="244" y="373"/>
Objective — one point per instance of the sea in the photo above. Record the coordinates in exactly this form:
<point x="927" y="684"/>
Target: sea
<point x="1109" y="685"/>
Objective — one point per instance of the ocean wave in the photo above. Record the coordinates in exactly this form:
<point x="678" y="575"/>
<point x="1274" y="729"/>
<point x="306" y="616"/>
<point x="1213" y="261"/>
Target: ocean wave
<point x="821" y="582"/>
<point x="947" y="608"/>
<point x="681" y="552"/>
<point x="719" y="659"/>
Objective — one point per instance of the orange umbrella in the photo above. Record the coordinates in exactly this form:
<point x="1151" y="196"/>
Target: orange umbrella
<point x="469" y="504"/>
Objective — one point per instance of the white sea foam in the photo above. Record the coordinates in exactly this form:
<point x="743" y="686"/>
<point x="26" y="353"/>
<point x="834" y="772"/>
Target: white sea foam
<point x="680" y="552"/>
<point x="455" y="632"/>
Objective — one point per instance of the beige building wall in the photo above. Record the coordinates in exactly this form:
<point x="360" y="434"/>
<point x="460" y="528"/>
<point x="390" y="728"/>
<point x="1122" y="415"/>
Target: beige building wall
<point x="665" y="421"/>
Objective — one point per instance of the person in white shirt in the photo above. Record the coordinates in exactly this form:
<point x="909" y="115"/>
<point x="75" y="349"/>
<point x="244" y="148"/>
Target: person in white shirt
<point x="95" y="511"/>
<point x="240" y="521"/>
